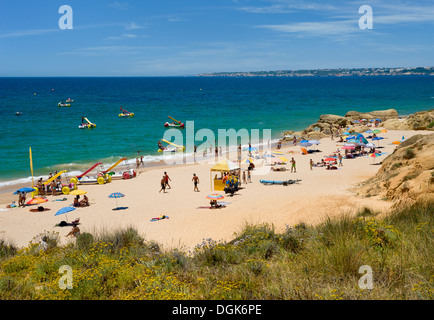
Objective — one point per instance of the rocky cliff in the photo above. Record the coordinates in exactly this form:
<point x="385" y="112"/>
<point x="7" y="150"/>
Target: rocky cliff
<point x="407" y="175"/>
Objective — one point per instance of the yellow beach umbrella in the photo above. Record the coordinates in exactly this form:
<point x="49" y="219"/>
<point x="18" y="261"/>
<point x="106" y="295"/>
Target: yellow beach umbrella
<point x="248" y="160"/>
<point x="78" y="192"/>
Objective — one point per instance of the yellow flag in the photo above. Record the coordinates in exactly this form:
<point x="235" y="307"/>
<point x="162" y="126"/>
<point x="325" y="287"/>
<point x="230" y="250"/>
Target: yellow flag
<point x="31" y="164"/>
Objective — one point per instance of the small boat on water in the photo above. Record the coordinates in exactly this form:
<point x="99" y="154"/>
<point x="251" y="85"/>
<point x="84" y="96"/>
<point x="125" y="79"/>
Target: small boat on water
<point x="69" y="100"/>
<point x="18" y="113"/>
<point x="125" y="113"/>
<point x="61" y="104"/>
<point x="175" y="123"/>
<point x="86" y="124"/>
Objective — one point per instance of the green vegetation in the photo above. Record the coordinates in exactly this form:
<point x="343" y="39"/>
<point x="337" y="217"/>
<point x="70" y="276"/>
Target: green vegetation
<point x="301" y="262"/>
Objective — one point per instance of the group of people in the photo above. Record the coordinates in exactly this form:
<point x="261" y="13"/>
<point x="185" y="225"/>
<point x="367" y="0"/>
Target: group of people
<point x="139" y="161"/>
<point x="165" y="182"/>
<point x="52" y="187"/>
<point x="81" y="203"/>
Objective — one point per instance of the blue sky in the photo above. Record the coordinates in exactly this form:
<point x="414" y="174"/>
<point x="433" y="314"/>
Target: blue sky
<point x="186" y="37"/>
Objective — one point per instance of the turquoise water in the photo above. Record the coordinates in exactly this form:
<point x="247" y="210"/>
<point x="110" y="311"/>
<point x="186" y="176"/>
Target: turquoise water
<point x="278" y="104"/>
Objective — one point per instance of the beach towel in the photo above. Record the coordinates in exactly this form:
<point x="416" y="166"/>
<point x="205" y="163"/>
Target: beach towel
<point x="160" y="218"/>
<point x="64" y="199"/>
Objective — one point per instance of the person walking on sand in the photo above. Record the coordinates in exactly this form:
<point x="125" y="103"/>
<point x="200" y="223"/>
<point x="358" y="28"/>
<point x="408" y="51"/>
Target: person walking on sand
<point x="166" y="176"/>
<point x="311" y="164"/>
<point x="137" y="163"/>
<point x="340" y="160"/>
<point x="195" y="182"/>
<point x="244" y="177"/>
<point x="293" y="165"/>
<point x="141" y="161"/>
<point x="249" y="179"/>
<point x="163" y="184"/>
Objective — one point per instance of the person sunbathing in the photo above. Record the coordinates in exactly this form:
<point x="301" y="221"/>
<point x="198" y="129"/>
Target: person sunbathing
<point x="214" y="204"/>
<point x="76" y="202"/>
<point x="278" y="169"/>
<point x="329" y="167"/>
<point x="75" y="231"/>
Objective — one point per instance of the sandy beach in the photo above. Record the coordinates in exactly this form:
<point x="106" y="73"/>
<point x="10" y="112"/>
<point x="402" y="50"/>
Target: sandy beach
<point x="321" y="193"/>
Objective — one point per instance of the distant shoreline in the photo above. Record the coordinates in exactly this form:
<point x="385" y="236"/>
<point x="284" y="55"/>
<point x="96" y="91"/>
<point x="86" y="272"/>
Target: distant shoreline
<point x="341" y="72"/>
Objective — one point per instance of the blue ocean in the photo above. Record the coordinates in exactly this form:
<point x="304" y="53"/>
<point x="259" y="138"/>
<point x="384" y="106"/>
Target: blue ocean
<point x="278" y="104"/>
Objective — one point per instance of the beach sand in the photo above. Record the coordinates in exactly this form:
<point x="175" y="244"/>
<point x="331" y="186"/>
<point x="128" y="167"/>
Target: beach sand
<point x="321" y="193"/>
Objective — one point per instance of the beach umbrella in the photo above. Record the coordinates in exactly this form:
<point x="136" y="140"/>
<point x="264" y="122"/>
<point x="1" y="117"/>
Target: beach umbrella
<point x="116" y="195"/>
<point x="377" y="139"/>
<point x="303" y="141"/>
<point x="375" y="155"/>
<point x="383" y="131"/>
<point x="64" y="211"/>
<point x="277" y="152"/>
<point x="349" y="147"/>
<point x="304" y="151"/>
<point x="248" y="160"/>
<point x="396" y="142"/>
<point x="364" y="120"/>
<point x="77" y="192"/>
<point x="36" y="201"/>
<point x="279" y="159"/>
<point x="370" y="145"/>
<point x="329" y="159"/>
<point x="250" y="149"/>
<point x="316" y="142"/>
<point x="346" y="133"/>
<point x="376" y="131"/>
<point x="368" y="131"/>
<point x="25" y="190"/>
<point x="305" y="144"/>
<point x="214" y="196"/>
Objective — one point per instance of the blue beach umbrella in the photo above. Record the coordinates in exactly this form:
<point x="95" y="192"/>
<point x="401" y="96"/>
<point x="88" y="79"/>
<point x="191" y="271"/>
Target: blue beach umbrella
<point x="346" y="133"/>
<point x="377" y="139"/>
<point x="64" y="210"/>
<point x="116" y="195"/>
<point x="305" y="144"/>
<point x="25" y="190"/>
<point x="314" y="142"/>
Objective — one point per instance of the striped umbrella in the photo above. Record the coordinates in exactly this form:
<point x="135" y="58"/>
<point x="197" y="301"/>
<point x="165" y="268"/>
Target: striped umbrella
<point x="214" y="196"/>
<point x="116" y="195"/>
<point x="37" y="201"/>
<point x="375" y="155"/>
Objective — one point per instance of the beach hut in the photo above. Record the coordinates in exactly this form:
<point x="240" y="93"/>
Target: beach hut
<point x="223" y="167"/>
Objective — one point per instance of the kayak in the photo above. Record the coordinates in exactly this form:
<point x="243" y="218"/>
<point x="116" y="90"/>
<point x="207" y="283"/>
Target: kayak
<point x="126" y="114"/>
<point x="63" y="105"/>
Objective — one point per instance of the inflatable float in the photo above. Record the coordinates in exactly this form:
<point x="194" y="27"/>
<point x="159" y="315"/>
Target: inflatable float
<point x="63" y="104"/>
<point x="284" y="183"/>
